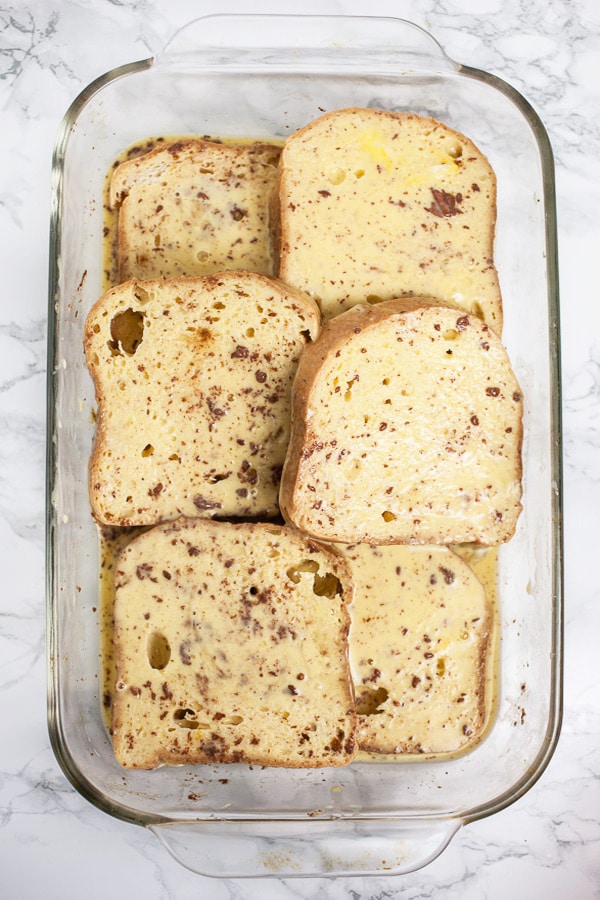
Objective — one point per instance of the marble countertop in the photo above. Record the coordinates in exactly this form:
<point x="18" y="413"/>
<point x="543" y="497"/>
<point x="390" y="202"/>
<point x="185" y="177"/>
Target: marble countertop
<point x="53" y="843"/>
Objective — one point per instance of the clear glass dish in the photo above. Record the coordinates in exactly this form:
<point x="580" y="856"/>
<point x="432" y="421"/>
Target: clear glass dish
<point x="264" y="76"/>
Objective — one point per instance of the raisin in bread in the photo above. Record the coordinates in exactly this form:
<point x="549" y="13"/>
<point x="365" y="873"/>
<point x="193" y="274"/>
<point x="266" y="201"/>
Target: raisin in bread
<point x="194" y="207"/>
<point x="406" y="428"/>
<point x="373" y="205"/>
<point x="421" y="649"/>
<point x="231" y="647"/>
<point x="193" y="379"/>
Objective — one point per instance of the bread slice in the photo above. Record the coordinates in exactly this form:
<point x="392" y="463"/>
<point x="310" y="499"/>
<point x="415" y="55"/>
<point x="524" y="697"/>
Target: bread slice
<point x="407" y="428"/>
<point x="372" y="205"/>
<point x="193" y="380"/>
<point x="420" y="650"/>
<point x="194" y="207"/>
<point x="231" y="647"/>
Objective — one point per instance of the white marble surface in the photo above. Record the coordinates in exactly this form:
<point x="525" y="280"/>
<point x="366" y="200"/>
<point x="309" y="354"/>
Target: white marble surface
<point x="53" y="844"/>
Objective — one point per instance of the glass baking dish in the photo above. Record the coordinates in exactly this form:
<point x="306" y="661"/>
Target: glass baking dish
<point x="263" y="77"/>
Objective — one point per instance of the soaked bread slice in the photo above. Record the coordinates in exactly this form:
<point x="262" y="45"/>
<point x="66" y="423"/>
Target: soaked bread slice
<point x="231" y="647"/>
<point x="194" y="207"/>
<point x="193" y="380"/>
<point x="372" y="205"/>
<point x="420" y="649"/>
<point x="406" y="428"/>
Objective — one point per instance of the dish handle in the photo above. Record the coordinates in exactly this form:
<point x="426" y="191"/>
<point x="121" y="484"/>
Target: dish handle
<point x="291" y="848"/>
<point x="315" y="42"/>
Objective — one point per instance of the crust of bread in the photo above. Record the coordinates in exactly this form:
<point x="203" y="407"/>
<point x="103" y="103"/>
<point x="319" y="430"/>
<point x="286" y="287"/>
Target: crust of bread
<point x="377" y="204"/>
<point x="406" y="428"/>
<point x="419" y="650"/>
<point x="194" y="207"/>
<point x="231" y="646"/>
<point x="193" y="380"/>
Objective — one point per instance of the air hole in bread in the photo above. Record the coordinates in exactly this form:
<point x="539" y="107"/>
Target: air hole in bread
<point x="388" y="516"/>
<point x="440" y="667"/>
<point x="294" y="573"/>
<point x="127" y="332"/>
<point x="234" y="720"/>
<point x="348" y="394"/>
<point x="214" y="478"/>
<point x="148" y="450"/>
<point x="359" y="173"/>
<point x="202" y="256"/>
<point x="186" y="718"/>
<point x="249" y="332"/>
<point x="454" y="150"/>
<point x="328" y="585"/>
<point x="373" y="299"/>
<point x="141" y="295"/>
<point x="336" y="176"/>
<point x="369" y="701"/>
<point x="158" y="650"/>
<point x="450" y="334"/>
<point x="219" y="305"/>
